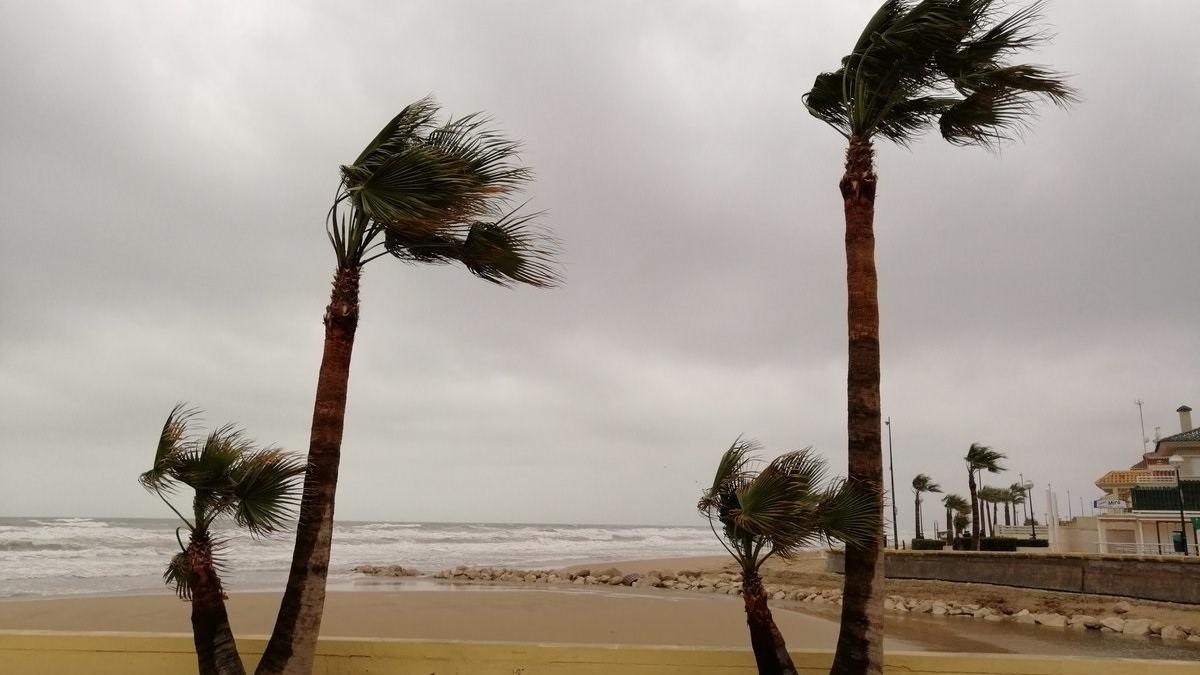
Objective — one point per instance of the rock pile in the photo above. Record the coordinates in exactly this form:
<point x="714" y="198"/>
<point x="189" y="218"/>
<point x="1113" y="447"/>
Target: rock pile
<point x="386" y="571"/>
<point x="730" y="583"/>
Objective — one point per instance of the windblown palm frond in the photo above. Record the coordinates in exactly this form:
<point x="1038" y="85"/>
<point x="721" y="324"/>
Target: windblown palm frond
<point x="1016" y="493"/>
<point x="265" y="490"/>
<point x="170" y="446"/>
<point x="179" y="575"/>
<point x="944" y="61"/>
<point x="425" y="192"/>
<point x="982" y="458"/>
<point x="783" y="507"/>
<point x="956" y="503"/>
<point x="923" y="483"/>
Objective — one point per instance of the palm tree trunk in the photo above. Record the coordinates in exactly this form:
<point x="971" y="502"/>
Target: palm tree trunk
<point x="1007" y="516"/>
<point x="216" y="651"/>
<point x="949" y="528"/>
<point x="770" y="652"/>
<point x="293" y="643"/>
<point x="974" y="510"/>
<point x="918" y="509"/>
<point x="860" y="641"/>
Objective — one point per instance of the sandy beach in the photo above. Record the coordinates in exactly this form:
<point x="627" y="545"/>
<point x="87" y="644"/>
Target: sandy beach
<point x="420" y="608"/>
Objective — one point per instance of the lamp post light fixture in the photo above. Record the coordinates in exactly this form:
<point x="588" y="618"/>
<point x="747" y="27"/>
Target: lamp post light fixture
<point x="1028" y="487"/>
<point x="1176" y="461"/>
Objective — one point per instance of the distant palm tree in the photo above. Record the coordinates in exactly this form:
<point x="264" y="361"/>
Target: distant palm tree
<point x="256" y="488"/>
<point x="915" y="63"/>
<point x="961" y="521"/>
<point x="921" y="484"/>
<point x="954" y="504"/>
<point x="420" y="192"/>
<point x="1016" y="495"/>
<point x="979" y="458"/>
<point x="990" y="496"/>
<point x="778" y="510"/>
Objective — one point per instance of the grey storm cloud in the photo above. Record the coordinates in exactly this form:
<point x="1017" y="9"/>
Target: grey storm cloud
<point x="165" y="168"/>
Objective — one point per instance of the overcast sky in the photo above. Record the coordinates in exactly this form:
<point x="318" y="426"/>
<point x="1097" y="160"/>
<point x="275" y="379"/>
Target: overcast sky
<point x="165" y="169"/>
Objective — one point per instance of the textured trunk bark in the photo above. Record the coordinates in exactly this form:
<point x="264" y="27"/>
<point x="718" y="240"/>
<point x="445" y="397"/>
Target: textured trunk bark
<point x="918" y="505"/>
<point x="294" y="640"/>
<point x="216" y="651"/>
<point x="1007" y="517"/>
<point x="974" y="510"/>
<point x="860" y="642"/>
<point x="770" y="652"/>
<point x="949" y="528"/>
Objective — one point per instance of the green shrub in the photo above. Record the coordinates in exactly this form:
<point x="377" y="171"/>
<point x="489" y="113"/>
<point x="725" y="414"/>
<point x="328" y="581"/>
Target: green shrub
<point x="927" y="544"/>
<point x="998" y="544"/>
<point x="1033" y="543"/>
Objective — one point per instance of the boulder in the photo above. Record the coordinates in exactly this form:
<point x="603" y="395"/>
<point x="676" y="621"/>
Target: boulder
<point x="628" y="579"/>
<point x="1115" y="624"/>
<point x="610" y="572"/>
<point x="583" y="573"/>
<point x="1083" y="621"/>
<point x="1122" y="607"/>
<point x="616" y="580"/>
<point x="1053" y="620"/>
<point x="994" y="618"/>
<point x="1136" y="627"/>
<point x="1170" y="632"/>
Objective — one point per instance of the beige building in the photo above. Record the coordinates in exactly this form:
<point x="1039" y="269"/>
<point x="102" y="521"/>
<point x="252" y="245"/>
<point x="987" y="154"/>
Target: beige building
<point x="1141" y="508"/>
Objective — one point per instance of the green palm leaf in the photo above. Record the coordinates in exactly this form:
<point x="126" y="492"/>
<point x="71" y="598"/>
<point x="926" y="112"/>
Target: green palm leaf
<point x="265" y="489"/>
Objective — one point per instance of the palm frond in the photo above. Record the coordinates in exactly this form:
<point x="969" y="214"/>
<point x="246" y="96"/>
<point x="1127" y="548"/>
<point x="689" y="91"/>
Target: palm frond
<point x="731" y="467"/>
<point x="170" y="444"/>
<point x="956" y="502"/>
<point x="943" y="60"/>
<point x="511" y="250"/>
<point x="982" y="458"/>
<point x="923" y="483"/>
<point x="848" y="513"/>
<point x="179" y="575"/>
<point x="266" y="489"/>
<point x="414" y="120"/>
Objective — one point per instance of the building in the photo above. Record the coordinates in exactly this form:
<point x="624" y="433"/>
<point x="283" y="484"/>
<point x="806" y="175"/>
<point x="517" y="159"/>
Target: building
<point x="1140" y="511"/>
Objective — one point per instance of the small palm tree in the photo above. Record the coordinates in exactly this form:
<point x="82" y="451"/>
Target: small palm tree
<point x="778" y="510"/>
<point x="922" y="483"/>
<point x="979" y="458"/>
<point x="256" y="488"/>
<point x="954" y="504"/>
<point x="916" y="63"/>
<point x="420" y="192"/>
<point x="961" y="520"/>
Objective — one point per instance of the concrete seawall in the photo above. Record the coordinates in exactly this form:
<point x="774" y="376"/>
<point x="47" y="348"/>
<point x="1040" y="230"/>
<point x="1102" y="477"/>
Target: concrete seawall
<point x="1170" y="579"/>
<point x="31" y="653"/>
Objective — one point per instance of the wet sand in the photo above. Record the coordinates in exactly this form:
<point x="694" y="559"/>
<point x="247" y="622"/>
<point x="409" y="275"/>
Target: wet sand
<point x="563" y="615"/>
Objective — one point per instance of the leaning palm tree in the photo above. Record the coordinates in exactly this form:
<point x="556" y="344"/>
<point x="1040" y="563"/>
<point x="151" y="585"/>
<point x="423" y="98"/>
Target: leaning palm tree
<point x="256" y="488"/>
<point x="915" y="63"/>
<point x="979" y="458"/>
<point x="778" y="510"/>
<point x="422" y="191"/>
<point x="954" y="504"/>
<point x="921" y="484"/>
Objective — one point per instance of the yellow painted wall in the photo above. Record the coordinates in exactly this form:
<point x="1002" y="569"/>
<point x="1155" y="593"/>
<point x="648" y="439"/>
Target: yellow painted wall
<point x="45" y="653"/>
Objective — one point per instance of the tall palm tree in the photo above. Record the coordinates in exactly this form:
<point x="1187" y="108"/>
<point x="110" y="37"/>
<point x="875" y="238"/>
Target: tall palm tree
<point x="922" y="483"/>
<point x="256" y="488"/>
<point x="916" y="62"/>
<point x="778" y="510"/>
<point x="422" y="191"/>
<point x="954" y="504"/>
<point x="979" y="458"/>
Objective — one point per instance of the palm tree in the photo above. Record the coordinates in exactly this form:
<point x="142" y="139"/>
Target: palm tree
<point x="916" y="62"/>
<point x="1016" y="495"/>
<point x="920" y="484"/>
<point x="961" y="520"/>
<point x="992" y="496"/>
<point x="421" y="192"/>
<point x="979" y="458"/>
<point x="784" y="507"/>
<point x="954" y="504"/>
<point x="232" y="479"/>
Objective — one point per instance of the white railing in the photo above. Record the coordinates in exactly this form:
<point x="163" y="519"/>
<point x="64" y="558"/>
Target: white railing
<point x="1145" y="549"/>
<point x="1020" y="531"/>
<point x="1157" y="479"/>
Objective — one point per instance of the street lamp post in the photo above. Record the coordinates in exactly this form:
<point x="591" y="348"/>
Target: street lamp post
<point x="1028" y="486"/>
<point x="892" y="469"/>
<point x="1176" y="461"/>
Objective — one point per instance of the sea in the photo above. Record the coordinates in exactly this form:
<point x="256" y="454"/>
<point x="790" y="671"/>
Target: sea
<point x="42" y="557"/>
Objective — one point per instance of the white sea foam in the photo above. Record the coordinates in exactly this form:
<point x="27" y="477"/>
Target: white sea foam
<point x="67" y="556"/>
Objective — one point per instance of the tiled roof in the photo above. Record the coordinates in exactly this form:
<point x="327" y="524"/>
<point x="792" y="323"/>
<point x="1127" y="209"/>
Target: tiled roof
<point x="1193" y="435"/>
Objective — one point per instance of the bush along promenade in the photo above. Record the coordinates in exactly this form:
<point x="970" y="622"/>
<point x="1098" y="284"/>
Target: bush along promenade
<point x="1121" y="617"/>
